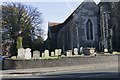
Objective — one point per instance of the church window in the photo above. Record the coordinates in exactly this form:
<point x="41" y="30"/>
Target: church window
<point x="89" y="30"/>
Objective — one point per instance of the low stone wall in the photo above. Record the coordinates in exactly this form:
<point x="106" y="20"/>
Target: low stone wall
<point x="25" y="64"/>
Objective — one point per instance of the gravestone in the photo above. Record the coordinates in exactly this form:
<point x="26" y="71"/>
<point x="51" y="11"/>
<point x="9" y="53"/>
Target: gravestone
<point x="75" y="51"/>
<point x="63" y="55"/>
<point x="105" y="50"/>
<point x="81" y="50"/>
<point x="68" y="53"/>
<point x="52" y="53"/>
<point x="21" y="53"/>
<point x="89" y="51"/>
<point x="43" y="55"/>
<point x="92" y="50"/>
<point x="36" y="54"/>
<point x="28" y="53"/>
<point x="59" y="51"/>
<point x="82" y="54"/>
<point x="114" y="52"/>
<point x="56" y="52"/>
<point x="46" y="53"/>
<point x="13" y="57"/>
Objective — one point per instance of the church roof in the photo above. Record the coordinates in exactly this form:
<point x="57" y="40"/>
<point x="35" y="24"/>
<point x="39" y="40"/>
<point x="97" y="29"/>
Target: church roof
<point x="52" y="24"/>
<point x="54" y="27"/>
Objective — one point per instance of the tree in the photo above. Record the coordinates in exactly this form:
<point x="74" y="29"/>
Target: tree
<point x="19" y="42"/>
<point x="19" y="18"/>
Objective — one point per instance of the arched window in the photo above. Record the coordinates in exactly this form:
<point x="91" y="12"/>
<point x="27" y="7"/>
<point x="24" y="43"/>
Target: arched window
<point x="89" y="30"/>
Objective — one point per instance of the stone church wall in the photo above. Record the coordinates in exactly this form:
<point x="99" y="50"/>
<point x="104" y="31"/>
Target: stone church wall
<point x="73" y="33"/>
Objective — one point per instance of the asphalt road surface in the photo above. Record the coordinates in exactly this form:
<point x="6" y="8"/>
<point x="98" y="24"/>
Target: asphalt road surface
<point x="96" y="73"/>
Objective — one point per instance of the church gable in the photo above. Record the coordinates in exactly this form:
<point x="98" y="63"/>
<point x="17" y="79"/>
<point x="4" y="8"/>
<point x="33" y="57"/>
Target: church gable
<point x="86" y="9"/>
<point x="83" y="27"/>
<point x="73" y="34"/>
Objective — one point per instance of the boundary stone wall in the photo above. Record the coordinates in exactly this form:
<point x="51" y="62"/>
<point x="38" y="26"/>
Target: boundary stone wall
<point x="26" y="64"/>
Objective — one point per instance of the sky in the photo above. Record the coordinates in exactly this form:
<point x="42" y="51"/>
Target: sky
<point x="52" y="10"/>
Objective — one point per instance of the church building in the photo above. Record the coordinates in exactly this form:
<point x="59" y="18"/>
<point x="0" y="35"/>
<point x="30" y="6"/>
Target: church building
<point x="90" y="25"/>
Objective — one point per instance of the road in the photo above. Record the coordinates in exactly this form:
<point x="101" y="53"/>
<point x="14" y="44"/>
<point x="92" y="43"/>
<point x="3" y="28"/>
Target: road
<point x="97" y="73"/>
<point x="89" y="73"/>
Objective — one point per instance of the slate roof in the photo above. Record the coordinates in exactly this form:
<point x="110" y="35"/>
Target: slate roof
<point x="54" y="27"/>
<point x="52" y="24"/>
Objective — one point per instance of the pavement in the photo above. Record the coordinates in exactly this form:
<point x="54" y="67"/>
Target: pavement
<point x="50" y="70"/>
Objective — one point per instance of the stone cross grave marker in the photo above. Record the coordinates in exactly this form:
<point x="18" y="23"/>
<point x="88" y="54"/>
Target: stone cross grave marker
<point x="75" y="51"/>
<point x="21" y="53"/>
<point x="28" y="53"/>
<point x="46" y="53"/>
<point x="36" y="54"/>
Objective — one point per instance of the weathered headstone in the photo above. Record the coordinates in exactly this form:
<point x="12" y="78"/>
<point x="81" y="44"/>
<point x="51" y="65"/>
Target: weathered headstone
<point x="114" y="52"/>
<point x="92" y="50"/>
<point x="82" y="54"/>
<point x="59" y="51"/>
<point x="13" y="57"/>
<point x="52" y="53"/>
<point x="68" y="53"/>
<point x="46" y="53"/>
<point x="105" y="50"/>
<point x="43" y="55"/>
<point x="21" y="53"/>
<point x="36" y="54"/>
<point x="62" y="55"/>
<point x="56" y="52"/>
<point x="81" y="50"/>
<point x="75" y="51"/>
<point x="28" y="53"/>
